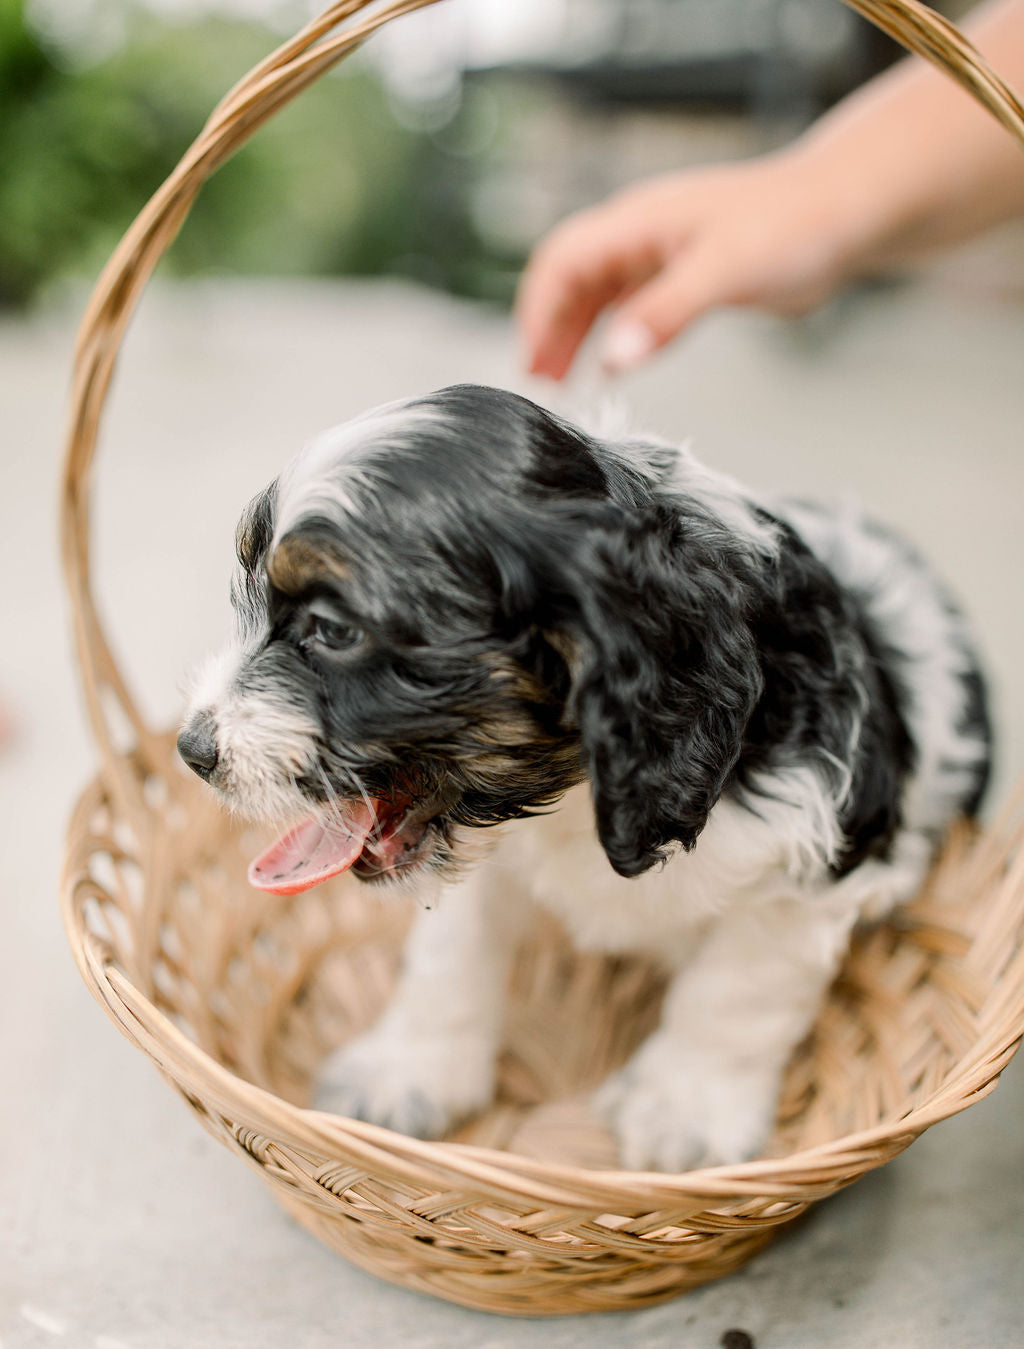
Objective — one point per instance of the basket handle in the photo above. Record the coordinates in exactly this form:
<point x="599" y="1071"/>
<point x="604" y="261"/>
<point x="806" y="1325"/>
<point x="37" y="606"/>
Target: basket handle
<point x="921" y="30"/>
<point x="254" y="100"/>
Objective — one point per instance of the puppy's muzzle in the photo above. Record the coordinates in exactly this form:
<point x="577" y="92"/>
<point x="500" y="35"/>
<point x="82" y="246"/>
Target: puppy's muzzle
<point x="197" y="744"/>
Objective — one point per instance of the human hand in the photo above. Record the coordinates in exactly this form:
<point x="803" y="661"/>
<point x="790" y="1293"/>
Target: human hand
<point x="772" y="233"/>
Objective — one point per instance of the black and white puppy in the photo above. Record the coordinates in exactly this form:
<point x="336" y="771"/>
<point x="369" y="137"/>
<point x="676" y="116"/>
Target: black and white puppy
<point x="709" y="728"/>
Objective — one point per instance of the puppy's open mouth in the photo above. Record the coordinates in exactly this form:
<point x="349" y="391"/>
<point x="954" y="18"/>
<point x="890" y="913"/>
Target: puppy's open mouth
<point x="375" y="838"/>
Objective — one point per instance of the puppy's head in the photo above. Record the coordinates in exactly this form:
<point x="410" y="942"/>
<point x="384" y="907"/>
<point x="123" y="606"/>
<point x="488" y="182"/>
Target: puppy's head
<point x="453" y="609"/>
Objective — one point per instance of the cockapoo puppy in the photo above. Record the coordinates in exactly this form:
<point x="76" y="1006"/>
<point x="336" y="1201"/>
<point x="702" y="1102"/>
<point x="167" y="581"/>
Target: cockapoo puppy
<point x="500" y="661"/>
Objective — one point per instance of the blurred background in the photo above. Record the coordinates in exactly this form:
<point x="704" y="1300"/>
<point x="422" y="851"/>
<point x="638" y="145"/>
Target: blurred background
<point x="440" y="153"/>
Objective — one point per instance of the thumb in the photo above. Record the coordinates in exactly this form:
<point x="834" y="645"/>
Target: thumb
<point x="658" y="312"/>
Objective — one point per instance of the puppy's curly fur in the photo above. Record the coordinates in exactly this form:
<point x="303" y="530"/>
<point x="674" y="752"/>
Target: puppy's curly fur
<point x="601" y="677"/>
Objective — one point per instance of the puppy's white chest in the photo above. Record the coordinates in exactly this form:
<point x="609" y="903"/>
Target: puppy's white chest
<point x="741" y="859"/>
<point x="559" y="861"/>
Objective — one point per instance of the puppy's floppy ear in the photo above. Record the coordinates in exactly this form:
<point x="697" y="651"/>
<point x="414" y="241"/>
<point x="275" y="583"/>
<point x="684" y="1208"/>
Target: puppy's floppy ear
<point x="665" y="673"/>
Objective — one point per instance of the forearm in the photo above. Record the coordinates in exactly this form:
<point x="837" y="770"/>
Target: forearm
<point x="912" y="163"/>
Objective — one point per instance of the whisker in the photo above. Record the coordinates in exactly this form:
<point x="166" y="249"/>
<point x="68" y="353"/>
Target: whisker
<point x="334" y="803"/>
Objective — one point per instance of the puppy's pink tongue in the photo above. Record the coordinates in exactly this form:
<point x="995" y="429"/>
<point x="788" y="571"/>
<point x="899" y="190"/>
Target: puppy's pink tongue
<point x="313" y="851"/>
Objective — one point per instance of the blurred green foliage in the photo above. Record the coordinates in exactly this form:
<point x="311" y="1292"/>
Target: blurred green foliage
<point x="332" y="184"/>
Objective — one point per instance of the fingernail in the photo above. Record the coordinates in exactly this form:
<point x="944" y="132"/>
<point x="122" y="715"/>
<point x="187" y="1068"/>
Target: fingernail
<point x="627" y="344"/>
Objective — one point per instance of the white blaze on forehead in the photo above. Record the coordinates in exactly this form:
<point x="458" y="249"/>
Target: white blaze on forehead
<point x="321" y="479"/>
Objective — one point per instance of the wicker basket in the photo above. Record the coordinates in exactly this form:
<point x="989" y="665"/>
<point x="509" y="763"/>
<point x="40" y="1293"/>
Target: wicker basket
<point x="236" y="996"/>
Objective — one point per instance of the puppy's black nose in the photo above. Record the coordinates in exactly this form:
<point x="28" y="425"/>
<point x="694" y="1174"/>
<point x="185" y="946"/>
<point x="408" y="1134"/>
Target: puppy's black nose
<point x="197" y="744"/>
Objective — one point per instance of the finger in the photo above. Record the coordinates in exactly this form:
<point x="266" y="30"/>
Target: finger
<point x="561" y="299"/>
<point x="660" y="310"/>
<point x="565" y="334"/>
<point x="575" y="274"/>
<point x="569" y="326"/>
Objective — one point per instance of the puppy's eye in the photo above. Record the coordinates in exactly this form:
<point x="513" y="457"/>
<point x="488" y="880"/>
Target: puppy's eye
<point x="331" y="634"/>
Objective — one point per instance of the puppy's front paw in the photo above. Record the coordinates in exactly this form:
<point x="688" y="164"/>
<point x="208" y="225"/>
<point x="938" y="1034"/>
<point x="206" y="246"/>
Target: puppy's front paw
<point x="415" y="1084"/>
<point x="672" y="1108"/>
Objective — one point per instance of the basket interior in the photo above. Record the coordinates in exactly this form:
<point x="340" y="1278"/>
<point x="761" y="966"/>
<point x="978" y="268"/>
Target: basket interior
<point x="268" y="986"/>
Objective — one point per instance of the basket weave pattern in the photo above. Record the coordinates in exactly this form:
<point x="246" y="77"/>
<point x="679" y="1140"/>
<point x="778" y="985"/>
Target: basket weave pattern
<point x="237" y="996"/>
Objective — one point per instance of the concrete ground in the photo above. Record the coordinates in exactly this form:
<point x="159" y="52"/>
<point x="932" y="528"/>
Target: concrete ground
<point x="122" y="1224"/>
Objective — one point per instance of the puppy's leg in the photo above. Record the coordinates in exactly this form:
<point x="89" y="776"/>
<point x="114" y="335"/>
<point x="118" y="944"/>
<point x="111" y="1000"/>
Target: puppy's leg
<point x="429" y="1060"/>
<point x="702" y="1090"/>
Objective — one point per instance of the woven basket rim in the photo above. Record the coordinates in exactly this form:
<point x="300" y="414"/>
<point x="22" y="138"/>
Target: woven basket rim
<point x="798" y="1176"/>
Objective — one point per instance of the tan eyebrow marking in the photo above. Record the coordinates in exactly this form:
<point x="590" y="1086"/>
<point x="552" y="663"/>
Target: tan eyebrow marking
<point x="297" y="563"/>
